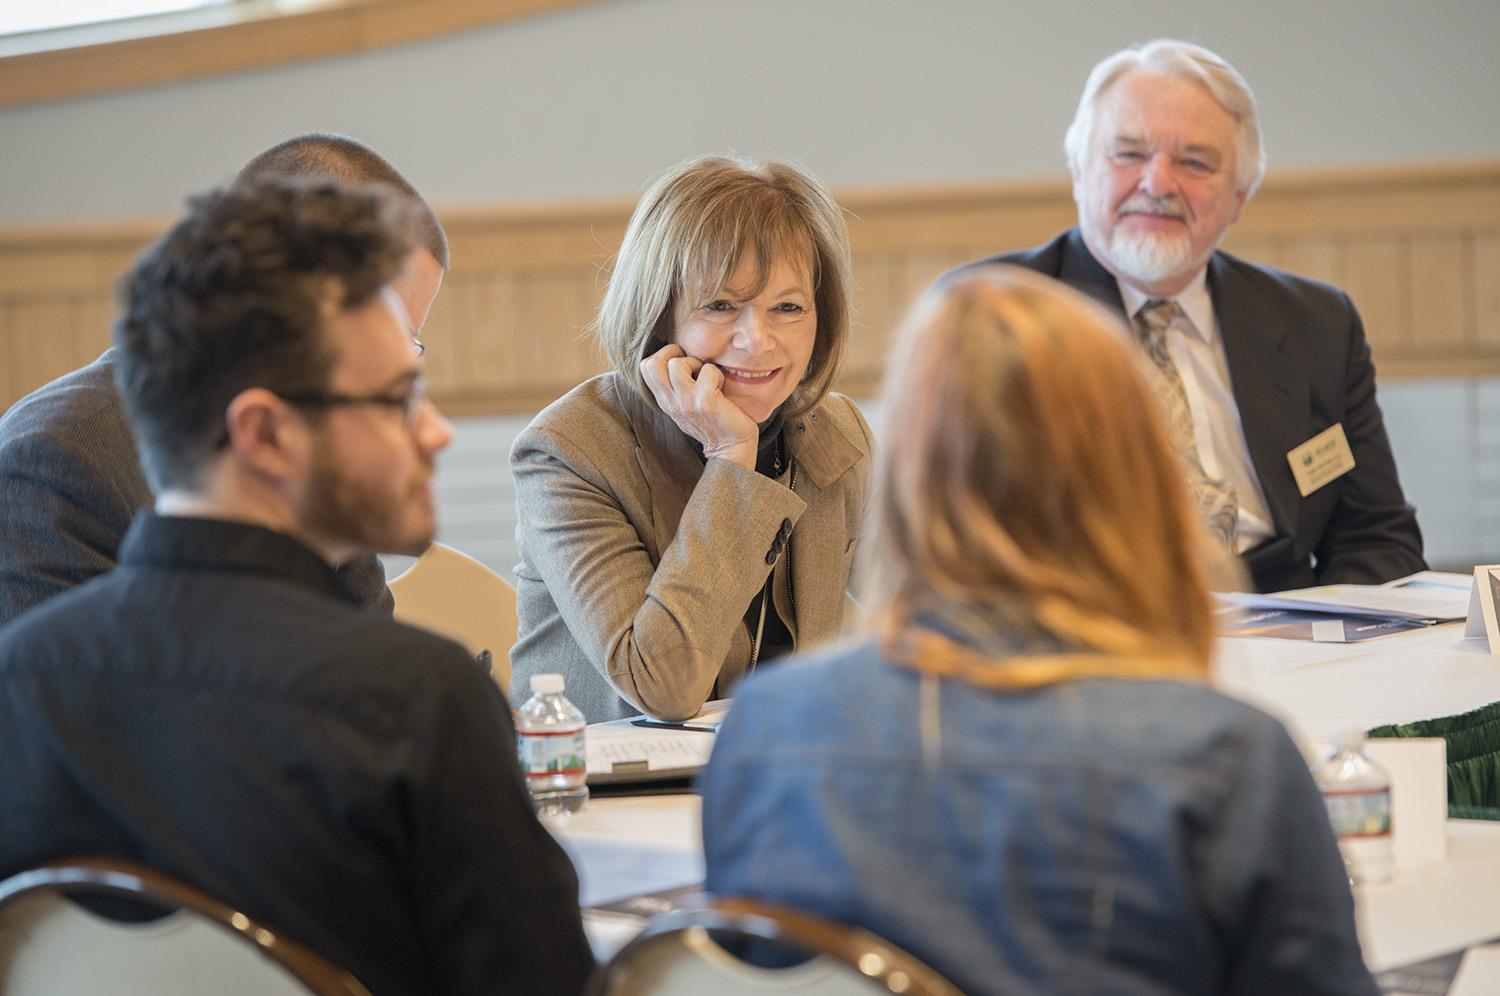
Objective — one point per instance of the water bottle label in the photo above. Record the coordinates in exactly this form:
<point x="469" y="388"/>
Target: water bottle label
<point x="546" y="754"/>
<point x="1359" y="812"/>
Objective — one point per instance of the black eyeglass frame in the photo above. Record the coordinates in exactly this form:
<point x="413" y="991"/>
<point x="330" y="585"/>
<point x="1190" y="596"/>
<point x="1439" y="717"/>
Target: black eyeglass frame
<point x="408" y="403"/>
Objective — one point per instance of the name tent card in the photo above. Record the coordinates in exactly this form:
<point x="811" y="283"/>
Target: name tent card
<point x="1482" y="621"/>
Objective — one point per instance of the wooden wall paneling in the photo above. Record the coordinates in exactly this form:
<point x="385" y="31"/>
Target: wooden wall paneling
<point x="524" y="341"/>
<point x="505" y="332"/>
<point x="920" y="269"/>
<point x="1440" y="307"/>
<point x="1256" y="249"/>
<point x="879" y="297"/>
<point x="1376" y="283"/>
<point x="84" y="263"/>
<point x="42" y="347"/>
<point x="10" y="380"/>
<point x="1268" y="250"/>
<point x="969" y="223"/>
<point x="94" y="329"/>
<point x="446" y="336"/>
<point x="1376" y="201"/>
<point x="492" y="330"/>
<point x="896" y="280"/>
<point x="529" y="354"/>
<point x="565" y="306"/>
<point x="1320" y="258"/>
<point x="1485" y="273"/>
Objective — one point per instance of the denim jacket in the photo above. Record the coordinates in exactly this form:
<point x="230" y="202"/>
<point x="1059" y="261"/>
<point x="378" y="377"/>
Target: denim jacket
<point x="1092" y="836"/>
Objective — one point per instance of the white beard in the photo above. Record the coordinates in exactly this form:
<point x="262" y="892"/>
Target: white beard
<point x="1148" y="259"/>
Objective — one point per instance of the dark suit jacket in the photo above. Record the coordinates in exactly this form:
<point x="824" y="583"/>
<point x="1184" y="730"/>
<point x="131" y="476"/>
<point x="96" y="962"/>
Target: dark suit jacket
<point x="219" y="707"/>
<point x="71" y="481"/>
<point x="1298" y="363"/>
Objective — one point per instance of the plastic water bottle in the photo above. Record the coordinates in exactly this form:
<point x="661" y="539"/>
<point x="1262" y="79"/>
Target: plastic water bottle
<point x="1357" y="792"/>
<point x="549" y="734"/>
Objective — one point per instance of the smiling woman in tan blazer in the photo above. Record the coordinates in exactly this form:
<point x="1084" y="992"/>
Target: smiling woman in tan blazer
<point x="693" y="514"/>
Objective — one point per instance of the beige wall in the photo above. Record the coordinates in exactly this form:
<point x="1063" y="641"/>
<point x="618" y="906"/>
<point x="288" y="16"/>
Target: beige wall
<point x="588" y="101"/>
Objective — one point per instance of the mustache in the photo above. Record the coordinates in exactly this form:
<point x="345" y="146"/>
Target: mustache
<point x="1146" y="204"/>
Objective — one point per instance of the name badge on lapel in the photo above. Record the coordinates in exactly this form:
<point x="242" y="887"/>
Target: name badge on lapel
<point x="1321" y="459"/>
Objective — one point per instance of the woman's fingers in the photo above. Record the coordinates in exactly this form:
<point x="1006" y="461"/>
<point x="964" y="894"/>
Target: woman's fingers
<point x="691" y="393"/>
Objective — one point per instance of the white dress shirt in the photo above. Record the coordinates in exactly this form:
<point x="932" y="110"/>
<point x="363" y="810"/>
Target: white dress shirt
<point x="1197" y="348"/>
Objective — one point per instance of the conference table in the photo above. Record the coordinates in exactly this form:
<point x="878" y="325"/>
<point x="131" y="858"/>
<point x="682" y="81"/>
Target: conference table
<point x="630" y="845"/>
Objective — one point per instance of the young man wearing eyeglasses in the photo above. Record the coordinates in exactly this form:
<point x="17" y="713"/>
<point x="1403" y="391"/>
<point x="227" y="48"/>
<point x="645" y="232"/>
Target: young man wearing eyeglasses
<point x="220" y="706"/>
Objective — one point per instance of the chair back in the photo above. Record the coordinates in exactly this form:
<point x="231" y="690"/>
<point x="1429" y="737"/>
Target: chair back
<point x="683" y="953"/>
<point x="50" y="945"/>
<point x="455" y="595"/>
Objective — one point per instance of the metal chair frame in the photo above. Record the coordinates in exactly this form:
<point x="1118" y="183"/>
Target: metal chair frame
<point x="880" y="962"/>
<point x="101" y="876"/>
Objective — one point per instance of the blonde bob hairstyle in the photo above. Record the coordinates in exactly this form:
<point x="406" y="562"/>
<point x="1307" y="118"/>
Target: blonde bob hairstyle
<point x="687" y="236"/>
<point x="1027" y="478"/>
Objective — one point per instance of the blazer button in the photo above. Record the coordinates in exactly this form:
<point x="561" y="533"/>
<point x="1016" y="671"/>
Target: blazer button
<point x="786" y="529"/>
<point x="771" y="556"/>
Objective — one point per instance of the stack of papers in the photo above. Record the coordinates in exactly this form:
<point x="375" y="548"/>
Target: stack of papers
<point x="1348" y="613"/>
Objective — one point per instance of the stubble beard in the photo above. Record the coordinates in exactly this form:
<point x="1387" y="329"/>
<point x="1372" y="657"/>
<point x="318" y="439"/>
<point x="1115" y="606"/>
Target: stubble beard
<point x="340" y="506"/>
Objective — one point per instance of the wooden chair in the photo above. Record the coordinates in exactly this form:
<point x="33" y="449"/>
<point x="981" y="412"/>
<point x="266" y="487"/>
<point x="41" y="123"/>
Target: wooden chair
<point x="681" y="954"/>
<point x="51" y="945"/>
<point x="453" y="594"/>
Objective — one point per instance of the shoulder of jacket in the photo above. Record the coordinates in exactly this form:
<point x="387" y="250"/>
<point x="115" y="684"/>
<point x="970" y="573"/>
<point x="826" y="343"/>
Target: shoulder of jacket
<point x="839" y="411"/>
<point x="594" y="411"/>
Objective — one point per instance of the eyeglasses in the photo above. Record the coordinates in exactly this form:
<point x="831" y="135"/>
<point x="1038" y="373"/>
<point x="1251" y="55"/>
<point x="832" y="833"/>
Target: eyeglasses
<point x="398" y="310"/>
<point x="409" y="403"/>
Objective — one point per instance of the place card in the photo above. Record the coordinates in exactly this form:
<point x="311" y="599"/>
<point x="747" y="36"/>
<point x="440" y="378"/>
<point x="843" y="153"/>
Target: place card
<point x="1482" y="621"/>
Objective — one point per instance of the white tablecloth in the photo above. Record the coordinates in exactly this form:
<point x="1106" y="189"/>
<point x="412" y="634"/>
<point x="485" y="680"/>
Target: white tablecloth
<point x="625" y="846"/>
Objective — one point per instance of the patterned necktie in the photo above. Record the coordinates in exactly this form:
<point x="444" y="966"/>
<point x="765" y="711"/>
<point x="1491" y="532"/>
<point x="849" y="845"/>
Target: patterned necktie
<point x="1215" y="497"/>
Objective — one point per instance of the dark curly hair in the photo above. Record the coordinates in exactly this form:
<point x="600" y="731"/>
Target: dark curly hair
<point x="230" y="299"/>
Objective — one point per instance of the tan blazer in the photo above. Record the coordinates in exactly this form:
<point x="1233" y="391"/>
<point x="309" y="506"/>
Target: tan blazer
<point x="638" y="560"/>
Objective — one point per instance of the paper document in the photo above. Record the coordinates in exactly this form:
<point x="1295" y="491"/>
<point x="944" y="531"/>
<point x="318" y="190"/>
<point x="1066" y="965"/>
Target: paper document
<point x="1472" y="972"/>
<point x="640" y="748"/>
<point x="1319" y="627"/>
<point x="1432" y="595"/>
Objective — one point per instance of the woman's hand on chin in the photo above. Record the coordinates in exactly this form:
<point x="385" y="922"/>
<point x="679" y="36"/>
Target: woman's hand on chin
<point x="691" y="392"/>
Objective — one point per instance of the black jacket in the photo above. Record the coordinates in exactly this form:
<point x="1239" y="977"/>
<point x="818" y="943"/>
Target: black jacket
<point x="1298" y="363"/>
<point x="220" y="707"/>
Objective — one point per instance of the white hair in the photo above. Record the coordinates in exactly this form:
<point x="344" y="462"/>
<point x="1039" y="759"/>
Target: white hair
<point x="1180" y="60"/>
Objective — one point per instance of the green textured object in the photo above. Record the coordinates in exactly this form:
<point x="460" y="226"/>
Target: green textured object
<point x="1473" y="745"/>
<point x="1473" y="813"/>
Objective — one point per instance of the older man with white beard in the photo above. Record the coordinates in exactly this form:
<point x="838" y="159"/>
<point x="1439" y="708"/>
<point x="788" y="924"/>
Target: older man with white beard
<point x="1266" y="376"/>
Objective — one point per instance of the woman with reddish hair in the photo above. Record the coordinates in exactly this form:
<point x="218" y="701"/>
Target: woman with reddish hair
<point x="1025" y="779"/>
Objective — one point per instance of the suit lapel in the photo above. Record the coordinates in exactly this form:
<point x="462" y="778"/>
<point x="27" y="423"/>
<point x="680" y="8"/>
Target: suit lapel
<point x="1270" y="387"/>
<point x="823" y="455"/>
<point x="1079" y="269"/>
<point x="667" y="460"/>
